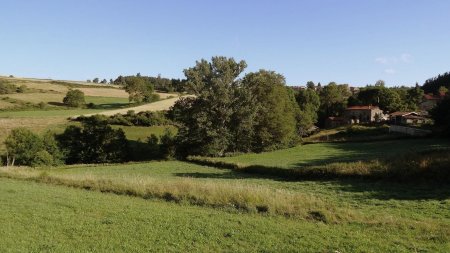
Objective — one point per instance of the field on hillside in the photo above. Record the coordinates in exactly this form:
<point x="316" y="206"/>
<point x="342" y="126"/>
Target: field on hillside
<point x="24" y="109"/>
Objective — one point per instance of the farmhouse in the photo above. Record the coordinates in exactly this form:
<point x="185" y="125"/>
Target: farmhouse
<point x="363" y="114"/>
<point x="407" y="118"/>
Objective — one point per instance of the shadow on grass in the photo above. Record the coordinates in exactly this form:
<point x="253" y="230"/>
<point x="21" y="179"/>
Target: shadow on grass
<point x="111" y="106"/>
<point x="422" y="175"/>
<point x="369" y="150"/>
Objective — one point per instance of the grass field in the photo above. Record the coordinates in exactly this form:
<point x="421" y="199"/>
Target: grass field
<point x="42" y="218"/>
<point x="321" y="153"/>
<point x="327" y="215"/>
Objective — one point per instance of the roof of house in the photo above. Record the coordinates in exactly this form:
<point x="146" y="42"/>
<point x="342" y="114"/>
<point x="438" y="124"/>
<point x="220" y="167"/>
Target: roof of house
<point x="362" y="107"/>
<point x="433" y="97"/>
<point x="394" y="114"/>
<point x="413" y="117"/>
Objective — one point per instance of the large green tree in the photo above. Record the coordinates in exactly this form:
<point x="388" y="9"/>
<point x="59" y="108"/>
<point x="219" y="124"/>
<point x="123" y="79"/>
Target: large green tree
<point x="277" y="110"/>
<point x="228" y="114"/>
<point x="206" y="119"/>
<point x="74" y="98"/>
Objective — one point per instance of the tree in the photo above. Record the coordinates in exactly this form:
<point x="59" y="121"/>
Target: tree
<point x="333" y="100"/>
<point x="309" y="104"/>
<point x="74" y="98"/>
<point x="414" y="97"/>
<point x="205" y="120"/>
<point x="23" y="147"/>
<point x="139" y="89"/>
<point x="277" y="111"/>
<point x="94" y="142"/>
<point x="310" y="85"/>
<point x="96" y="80"/>
<point x="104" y="81"/>
<point x="442" y="90"/>
<point x="441" y="115"/>
<point x="432" y="85"/>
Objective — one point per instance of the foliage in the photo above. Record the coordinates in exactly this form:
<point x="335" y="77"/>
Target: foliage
<point x="139" y="90"/>
<point x="309" y="103"/>
<point x="159" y="83"/>
<point x="333" y="100"/>
<point x="277" y="112"/>
<point x="74" y="98"/>
<point x="433" y="85"/>
<point x="441" y="115"/>
<point x="23" y="147"/>
<point x="233" y="115"/>
<point x="206" y="120"/>
<point x="145" y="118"/>
<point x="94" y="142"/>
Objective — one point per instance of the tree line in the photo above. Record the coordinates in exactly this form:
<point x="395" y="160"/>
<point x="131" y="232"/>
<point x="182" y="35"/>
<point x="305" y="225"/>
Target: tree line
<point x="230" y="112"/>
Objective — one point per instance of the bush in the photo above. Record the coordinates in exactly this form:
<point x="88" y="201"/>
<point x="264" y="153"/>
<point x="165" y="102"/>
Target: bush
<point x="42" y="158"/>
<point x="7" y="88"/>
<point x="22" y="89"/>
<point x="74" y="98"/>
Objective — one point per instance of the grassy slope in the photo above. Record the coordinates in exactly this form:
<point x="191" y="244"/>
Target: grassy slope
<point x="321" y="153"/>
<point x="142" y="133"/>
<point x="37" y="217"/>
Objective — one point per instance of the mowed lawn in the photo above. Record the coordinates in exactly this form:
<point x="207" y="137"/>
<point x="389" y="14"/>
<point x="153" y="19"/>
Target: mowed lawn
<point x="322" y="153"/>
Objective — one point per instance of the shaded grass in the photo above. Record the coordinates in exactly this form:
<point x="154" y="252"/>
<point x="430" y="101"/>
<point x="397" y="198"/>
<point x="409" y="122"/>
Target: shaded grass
<point x="425" y="165"/>
<point x="324" y="153"/>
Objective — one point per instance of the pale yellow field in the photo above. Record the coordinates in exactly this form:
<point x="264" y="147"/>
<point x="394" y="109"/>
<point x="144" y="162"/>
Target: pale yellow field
<point x="104" y="92"/>
<point x="156" y="106"/>
<point x="37" y="97"/>
<point x="38" y="125"/>
<point x="5" y="105"/>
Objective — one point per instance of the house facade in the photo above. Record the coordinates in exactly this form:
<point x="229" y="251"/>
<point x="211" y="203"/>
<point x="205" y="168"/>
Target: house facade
<point x="363" y="114"/>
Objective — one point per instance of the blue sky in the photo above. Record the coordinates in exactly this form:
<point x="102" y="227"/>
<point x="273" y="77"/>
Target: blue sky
<point x="347" y="41"/>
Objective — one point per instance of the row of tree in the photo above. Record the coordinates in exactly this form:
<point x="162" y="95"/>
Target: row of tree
<point x="436" y="84"/>
<point x="94" y="141"/>
<point x="158" y="83"/>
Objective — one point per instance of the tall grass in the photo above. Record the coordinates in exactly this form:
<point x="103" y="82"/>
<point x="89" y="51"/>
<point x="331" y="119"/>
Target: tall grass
<point x="230" y="196"/>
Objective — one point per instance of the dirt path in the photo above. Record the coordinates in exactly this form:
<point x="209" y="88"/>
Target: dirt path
<point x="156" y="106"/>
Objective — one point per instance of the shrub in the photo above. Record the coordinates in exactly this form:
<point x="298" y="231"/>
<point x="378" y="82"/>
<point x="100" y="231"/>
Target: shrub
<point x="74" y="98"/>
<point x="42" y="158"/>
<point x="21" y="89"/>
<point x="7" y="88"/>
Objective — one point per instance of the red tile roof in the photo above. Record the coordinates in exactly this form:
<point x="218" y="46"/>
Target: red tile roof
<point x="433" y="97"/>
